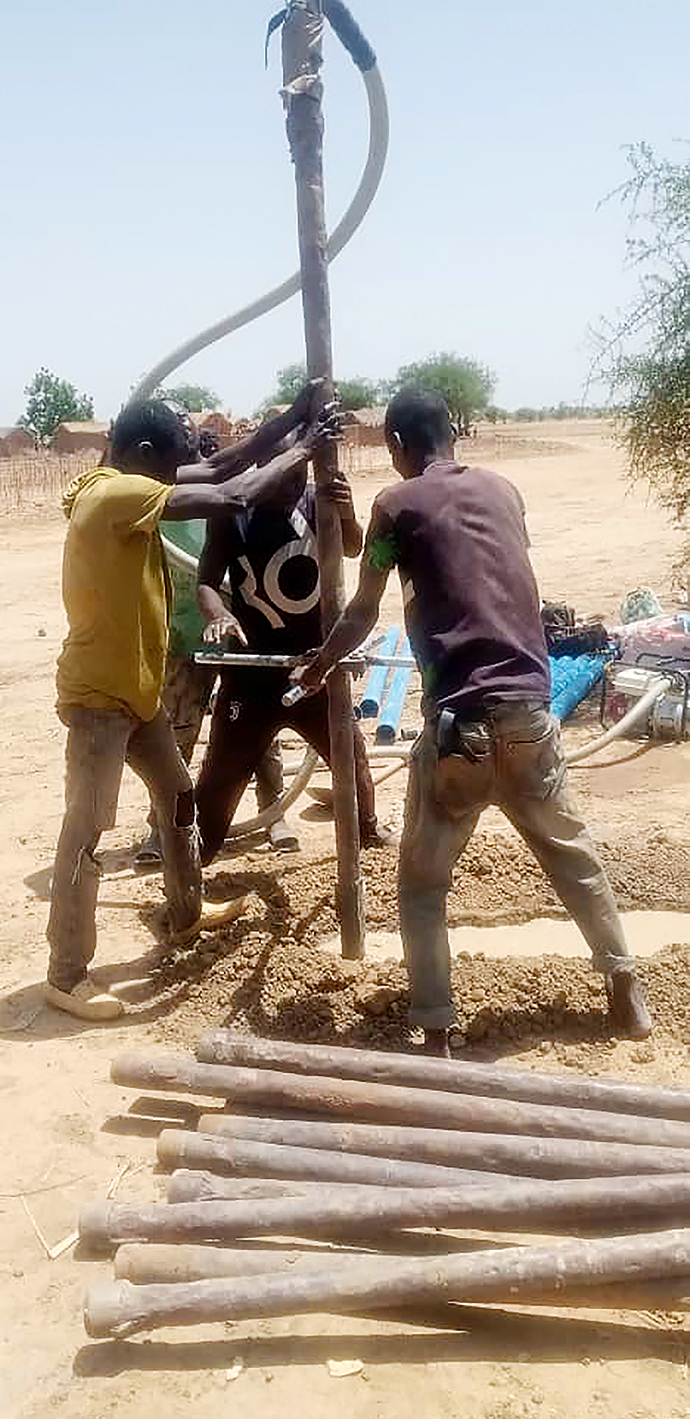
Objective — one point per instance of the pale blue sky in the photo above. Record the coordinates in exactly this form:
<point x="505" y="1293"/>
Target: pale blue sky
<point x="146" y="188"/>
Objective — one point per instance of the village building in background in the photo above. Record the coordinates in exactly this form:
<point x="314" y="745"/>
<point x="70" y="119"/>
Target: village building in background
<point x="16" y="441"/>
<point x="364" y="428"/>
<point x="213" y="421"/>
<point x="76" y="437"/>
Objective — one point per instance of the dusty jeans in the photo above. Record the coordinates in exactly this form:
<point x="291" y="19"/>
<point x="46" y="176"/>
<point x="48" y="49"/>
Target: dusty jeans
<point x="99" y="744"/>
<point x="523" y="772"/>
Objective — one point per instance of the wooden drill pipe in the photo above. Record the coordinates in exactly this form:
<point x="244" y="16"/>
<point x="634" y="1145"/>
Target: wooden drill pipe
<point x="119" y="1309"/>
<point x="152" y="1265"/>
<point x="534" y="1205"/>
<point x="149" y="1265"/>
<point x="188" y="1185"/>
<point x="387" y="1103"/>
<point x="246" y="1157"/>
<point x="302" y="56"/>
<point x="520" y="1157"/>
<point x="451" y="1076"/>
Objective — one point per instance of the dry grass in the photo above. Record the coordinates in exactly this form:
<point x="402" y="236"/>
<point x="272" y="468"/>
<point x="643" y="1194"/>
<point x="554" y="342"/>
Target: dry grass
<point x="38" y="481"/>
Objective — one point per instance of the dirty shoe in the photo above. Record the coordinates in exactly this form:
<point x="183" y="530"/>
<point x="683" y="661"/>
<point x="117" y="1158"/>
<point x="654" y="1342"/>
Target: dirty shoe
<point x="378" y="836"/>
<point x="150" y="853"/>
<point x="627" y="1006"/>
<point x="282" y="837"/>
<point x="436" y="1044"/>
<point x="213" y="915"/>
<point x="87" y="1001"/>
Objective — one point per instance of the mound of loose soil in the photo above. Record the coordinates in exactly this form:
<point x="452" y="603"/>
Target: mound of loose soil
<point x="269" y="972"/>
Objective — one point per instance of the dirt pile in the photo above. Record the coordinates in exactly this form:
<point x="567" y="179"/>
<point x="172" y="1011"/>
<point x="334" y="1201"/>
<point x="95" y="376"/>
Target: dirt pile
<point x="271" y="974"/>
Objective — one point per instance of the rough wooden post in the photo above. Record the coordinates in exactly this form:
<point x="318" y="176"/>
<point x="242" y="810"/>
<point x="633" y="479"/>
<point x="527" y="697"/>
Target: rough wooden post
<point x="302" y="59"/>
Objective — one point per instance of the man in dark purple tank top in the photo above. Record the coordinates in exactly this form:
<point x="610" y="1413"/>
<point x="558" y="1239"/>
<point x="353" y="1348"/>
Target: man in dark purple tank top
<point x="458" y="538"/>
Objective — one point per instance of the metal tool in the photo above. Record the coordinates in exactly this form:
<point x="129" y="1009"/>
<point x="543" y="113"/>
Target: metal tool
<point x="356" y="663"/>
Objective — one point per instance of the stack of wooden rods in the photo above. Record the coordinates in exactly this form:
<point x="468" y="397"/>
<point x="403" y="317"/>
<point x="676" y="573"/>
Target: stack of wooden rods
<point x="368" y="1150"/>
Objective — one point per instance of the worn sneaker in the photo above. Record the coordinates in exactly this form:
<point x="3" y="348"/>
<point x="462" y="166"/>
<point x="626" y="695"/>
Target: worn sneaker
<point x="436" y="1044"/>
<point x="87" y="1001"/>
<point x="213" y="915"/>
<point x="282" y="837"/>
<point x="150" y="853"/>
<point x="627" y="1006"/>
<point x="378" y="836"/>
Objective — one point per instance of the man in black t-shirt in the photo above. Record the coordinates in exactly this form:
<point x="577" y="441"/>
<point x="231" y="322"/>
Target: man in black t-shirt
<point x="271" y="564"/>
<point x="458" y="538"/>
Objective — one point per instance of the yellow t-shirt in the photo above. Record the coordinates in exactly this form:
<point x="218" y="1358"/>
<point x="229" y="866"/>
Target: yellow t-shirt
<point x="116" y="593"/>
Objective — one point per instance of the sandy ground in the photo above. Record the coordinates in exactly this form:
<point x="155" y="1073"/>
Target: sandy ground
<point x="69" y="1130"/>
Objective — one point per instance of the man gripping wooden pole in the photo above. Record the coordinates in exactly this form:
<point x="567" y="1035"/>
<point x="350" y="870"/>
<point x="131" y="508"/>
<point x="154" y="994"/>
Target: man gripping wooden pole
<point x="302" y="93"/>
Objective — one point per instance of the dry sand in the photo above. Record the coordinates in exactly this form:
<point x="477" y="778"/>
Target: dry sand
<point x="592" y="541"/>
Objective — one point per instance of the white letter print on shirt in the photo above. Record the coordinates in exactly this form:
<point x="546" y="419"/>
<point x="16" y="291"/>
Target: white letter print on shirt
<point x="304" y="545"/>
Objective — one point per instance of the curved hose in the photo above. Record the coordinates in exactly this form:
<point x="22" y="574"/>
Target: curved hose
<point x="279" y="807"/>
<point x="379" y="130"/>
<point x="308" y="765"/>
<point x="643" y="706"/>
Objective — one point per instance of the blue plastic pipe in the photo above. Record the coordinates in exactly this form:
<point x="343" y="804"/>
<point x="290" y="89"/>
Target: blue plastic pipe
<point x="391" y="712"/>
<point x="370" y="702"/>
<point x="572" y="678"/>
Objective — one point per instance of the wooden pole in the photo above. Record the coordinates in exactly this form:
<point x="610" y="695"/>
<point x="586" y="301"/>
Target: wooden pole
<point x="346" y="1099"/>
<point x="457" y="1076"/>
<point x="157" y="1264"/>
<point x="120" y="1308"/>
<point x="248" y="1157"/>
<point x="302" y="60"/>
<point x="491" y="1153"/>
<point x="511" y="1205"/>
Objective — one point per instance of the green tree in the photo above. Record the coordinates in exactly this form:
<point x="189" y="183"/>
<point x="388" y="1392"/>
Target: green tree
<point x="49" y="402"/>
<point x="289" y="381"/>
<point x="466" y="386"/>
<point x="358" y="393"/>
<point x="195" y="398"/>
<point x="645" y="353"/>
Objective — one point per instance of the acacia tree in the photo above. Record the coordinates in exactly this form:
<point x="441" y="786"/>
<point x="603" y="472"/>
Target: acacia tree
<point x="466" y="385"/>
<point x="356" y="393"/>
<point x="645" y="354"/>
<point x="195" y="398"/>
<point x="49" y="402"/>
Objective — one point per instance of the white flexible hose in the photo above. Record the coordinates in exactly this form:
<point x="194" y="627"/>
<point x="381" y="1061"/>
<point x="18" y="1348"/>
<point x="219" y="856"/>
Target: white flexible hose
<point x="642" y="708"/>
<point x="279" y="807"/>
<point x="356" y="212"/>
<point x="305" y="768"/>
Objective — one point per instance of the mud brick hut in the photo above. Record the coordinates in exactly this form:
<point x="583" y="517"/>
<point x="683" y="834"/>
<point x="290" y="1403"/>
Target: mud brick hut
<point x="78" y="437"/>
<point x="212" y="421"/>
<point x="364" y="428"/>
<point x="16" y="442"/>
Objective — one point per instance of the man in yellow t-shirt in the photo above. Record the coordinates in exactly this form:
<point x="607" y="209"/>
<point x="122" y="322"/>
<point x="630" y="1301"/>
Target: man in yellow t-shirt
<point x="112" y="666"/>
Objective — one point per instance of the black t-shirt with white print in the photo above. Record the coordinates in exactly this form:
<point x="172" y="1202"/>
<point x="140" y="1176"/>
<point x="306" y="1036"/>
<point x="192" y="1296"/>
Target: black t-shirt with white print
<point x="269" y="555"/>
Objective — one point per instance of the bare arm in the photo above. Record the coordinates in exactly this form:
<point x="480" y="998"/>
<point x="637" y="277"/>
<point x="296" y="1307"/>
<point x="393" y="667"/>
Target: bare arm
<point x="340" y="492"/>
<point x="230" y="462"/>
<point x="221" y="625"/>
<point x="246" y="490"/>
